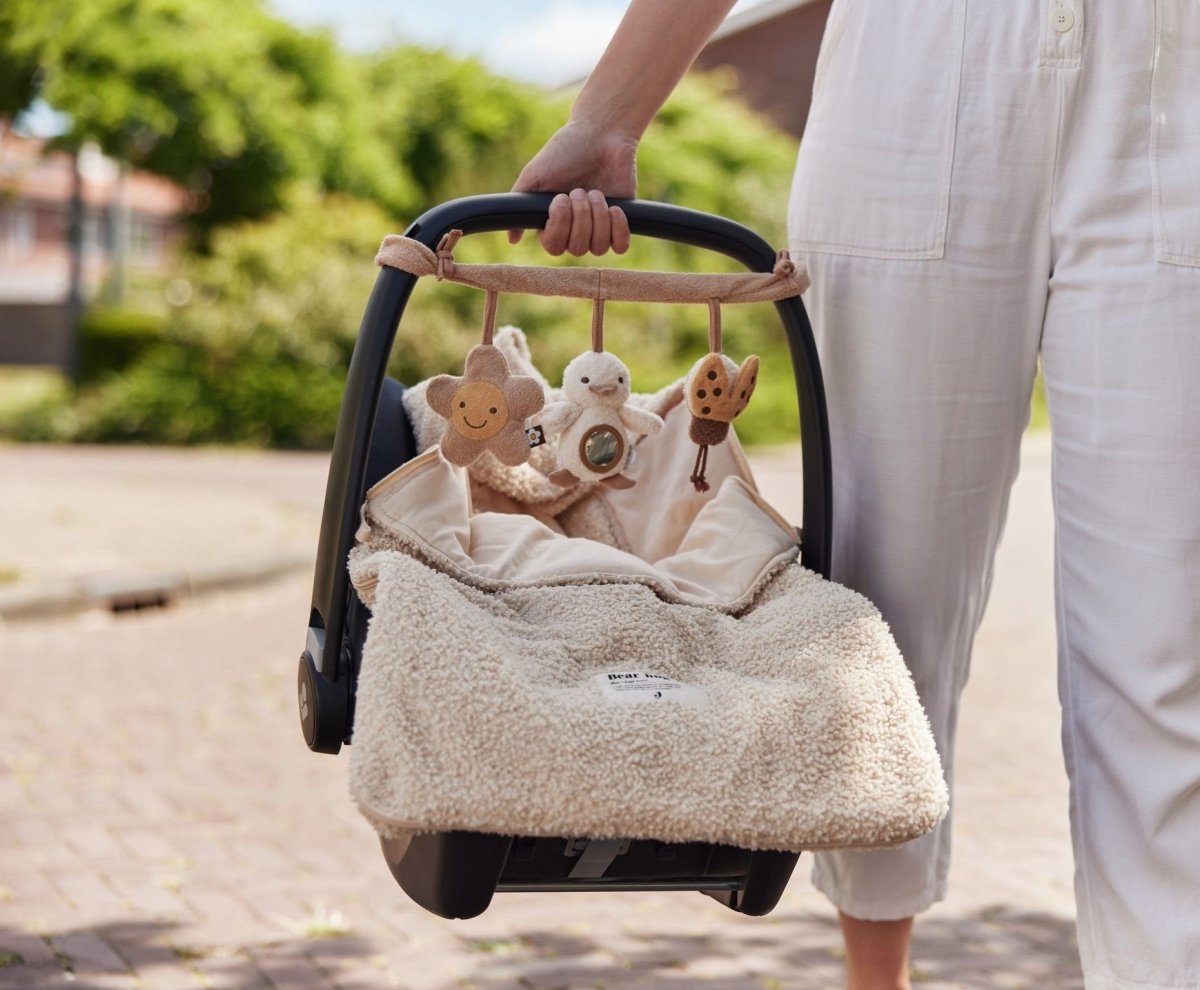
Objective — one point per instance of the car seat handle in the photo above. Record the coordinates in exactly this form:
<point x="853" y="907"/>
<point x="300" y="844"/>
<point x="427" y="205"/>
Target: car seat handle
<point x="530" y="211"/>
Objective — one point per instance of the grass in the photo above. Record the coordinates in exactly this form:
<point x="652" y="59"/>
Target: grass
<point x="496" y="946"/>
<point x="170" y="881"/>
<point x="333" y="927"/>
<point x="321" y="923"/>
<point x="21" y="387"/>
<point x="30" y="394"/>
<point x="188" y="954"/>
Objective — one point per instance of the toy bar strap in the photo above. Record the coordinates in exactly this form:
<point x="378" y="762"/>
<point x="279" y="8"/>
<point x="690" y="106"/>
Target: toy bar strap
<point x="489" y="316"/>
<point x="616" y="284"/>
<point x="714" y="326"/>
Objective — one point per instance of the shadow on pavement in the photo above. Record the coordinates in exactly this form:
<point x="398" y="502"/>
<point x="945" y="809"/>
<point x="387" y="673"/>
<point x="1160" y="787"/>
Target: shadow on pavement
<point x="994" y="948"/>
<point x="148" y="955"/>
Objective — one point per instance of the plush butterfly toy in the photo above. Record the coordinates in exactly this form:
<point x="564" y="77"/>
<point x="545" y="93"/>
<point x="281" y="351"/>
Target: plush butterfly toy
<point x="716" y="391"/>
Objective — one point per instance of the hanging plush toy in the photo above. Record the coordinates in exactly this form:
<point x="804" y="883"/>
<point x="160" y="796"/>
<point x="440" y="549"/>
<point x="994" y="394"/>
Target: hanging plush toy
<point x="593" y="420"/>
<point x="486" y="406"/>
<point x="717" y="390"/>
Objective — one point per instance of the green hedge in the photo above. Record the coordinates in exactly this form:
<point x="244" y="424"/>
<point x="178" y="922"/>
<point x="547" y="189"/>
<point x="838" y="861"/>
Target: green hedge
<point x="112" y="340"/>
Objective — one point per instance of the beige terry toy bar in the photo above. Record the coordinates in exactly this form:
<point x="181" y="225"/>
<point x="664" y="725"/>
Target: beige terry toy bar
<point x="615" y="284"/>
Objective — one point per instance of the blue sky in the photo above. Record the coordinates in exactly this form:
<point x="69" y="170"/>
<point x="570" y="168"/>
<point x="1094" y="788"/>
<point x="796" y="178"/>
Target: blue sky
<point x="545" y="41"/>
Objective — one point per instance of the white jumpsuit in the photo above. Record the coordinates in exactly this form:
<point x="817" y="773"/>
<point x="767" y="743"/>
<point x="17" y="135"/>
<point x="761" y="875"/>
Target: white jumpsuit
<point x="982" y="181"/>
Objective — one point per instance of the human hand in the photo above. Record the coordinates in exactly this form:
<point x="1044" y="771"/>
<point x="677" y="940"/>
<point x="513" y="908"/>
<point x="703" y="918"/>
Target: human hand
<point x="592" y="165"/>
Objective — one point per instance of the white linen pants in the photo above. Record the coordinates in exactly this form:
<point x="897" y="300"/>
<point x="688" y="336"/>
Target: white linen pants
<point x="980" y="182"/>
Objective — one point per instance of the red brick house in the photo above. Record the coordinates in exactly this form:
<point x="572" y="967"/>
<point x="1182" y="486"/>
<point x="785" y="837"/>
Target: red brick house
<point x="35" y="257"/>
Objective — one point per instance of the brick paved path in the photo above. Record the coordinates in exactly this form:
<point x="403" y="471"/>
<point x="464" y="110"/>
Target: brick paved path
<point x="163" y="826"/>
<point x="87" y="511"/>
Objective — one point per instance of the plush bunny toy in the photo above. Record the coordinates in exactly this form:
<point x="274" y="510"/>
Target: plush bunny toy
<point x="592" y="419"/>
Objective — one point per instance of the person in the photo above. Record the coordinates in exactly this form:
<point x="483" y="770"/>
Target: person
<point x="979" y="184"/>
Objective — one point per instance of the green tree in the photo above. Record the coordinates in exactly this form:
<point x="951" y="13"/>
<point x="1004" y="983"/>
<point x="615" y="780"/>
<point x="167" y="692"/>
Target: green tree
<point x="18" y="66"/>
<point x="214" y="94"/>
<point x="456" y="128"/>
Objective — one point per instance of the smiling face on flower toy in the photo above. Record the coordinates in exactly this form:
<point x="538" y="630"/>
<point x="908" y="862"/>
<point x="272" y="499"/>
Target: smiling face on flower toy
<point x="486" y="407"/>
<point x="478" y="410"/>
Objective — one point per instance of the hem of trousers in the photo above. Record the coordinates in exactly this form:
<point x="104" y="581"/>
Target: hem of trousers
<point x="1095" y="979"/>
<point x="895" y="910"/>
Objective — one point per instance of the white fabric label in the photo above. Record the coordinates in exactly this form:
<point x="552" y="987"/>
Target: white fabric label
<point x="642" y="687"/>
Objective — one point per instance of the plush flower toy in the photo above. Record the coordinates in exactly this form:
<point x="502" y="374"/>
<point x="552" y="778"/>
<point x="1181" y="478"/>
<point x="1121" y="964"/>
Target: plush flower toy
<point x="487" y="405"/>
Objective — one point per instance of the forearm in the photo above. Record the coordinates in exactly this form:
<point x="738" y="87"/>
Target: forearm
<point x="653" y="47"/>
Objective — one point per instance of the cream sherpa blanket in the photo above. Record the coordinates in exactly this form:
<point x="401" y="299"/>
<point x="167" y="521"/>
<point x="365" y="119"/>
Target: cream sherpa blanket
<point x="684" y="680"/>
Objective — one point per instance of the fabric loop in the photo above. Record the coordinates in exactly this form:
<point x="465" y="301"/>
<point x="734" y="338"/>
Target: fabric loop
<point x="445" y="255"/>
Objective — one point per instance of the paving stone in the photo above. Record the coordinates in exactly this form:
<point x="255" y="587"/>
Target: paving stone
<point x="87" y="951"/>
<point x="229" y="971"/>
<point x="31" y="950"/>
<point x="36" y="978"/>
<point x="223" y="919"/>
<point x="35" y="904"/>
<point x="89" y="892"/>
<point x="149" y="901"/>
<point x="292" y="972"/>
<point x="103" y="980"/>
<point x="147" y="845"/>
<point x="92" y="841"/>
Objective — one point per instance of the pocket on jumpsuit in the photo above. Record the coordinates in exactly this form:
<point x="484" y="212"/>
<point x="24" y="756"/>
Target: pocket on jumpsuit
<point x="1175" y="132"/>
<point x="873" y="174"/>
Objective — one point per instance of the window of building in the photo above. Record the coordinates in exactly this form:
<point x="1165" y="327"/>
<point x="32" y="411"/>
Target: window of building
<point x="16" y="229"/>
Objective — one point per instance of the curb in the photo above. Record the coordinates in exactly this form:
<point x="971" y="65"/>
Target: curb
<point x="126" y="593"/>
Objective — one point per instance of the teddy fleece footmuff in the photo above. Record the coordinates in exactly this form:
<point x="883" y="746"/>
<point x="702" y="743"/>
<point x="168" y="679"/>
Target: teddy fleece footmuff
<point x="644" y="662"/>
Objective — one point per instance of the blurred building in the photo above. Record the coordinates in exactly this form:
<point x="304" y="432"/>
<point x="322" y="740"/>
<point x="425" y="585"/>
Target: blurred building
<point x="124" y="213"/>
<point x="772" y="47"/>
